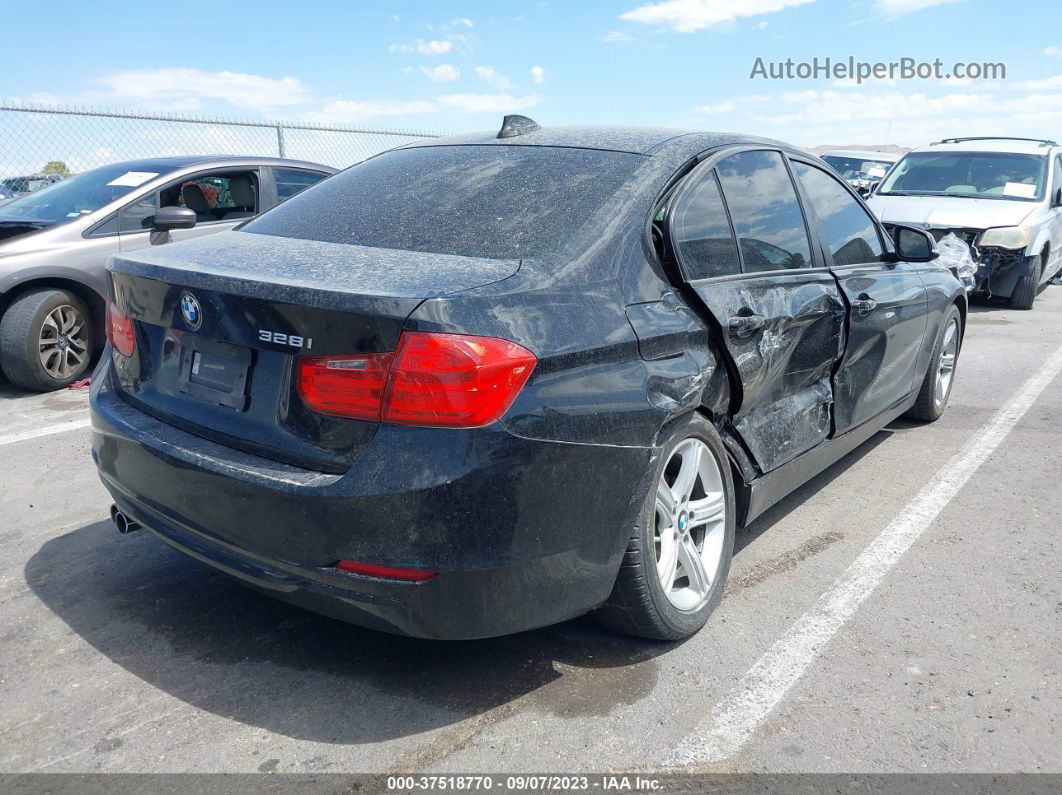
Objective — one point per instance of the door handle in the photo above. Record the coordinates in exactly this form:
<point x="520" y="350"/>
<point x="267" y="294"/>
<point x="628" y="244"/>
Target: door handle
<point x="864" y="304"/>
<point x="744" y="326"/>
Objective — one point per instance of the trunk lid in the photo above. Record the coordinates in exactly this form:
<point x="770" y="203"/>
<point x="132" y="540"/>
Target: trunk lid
<point x="221" y="322"/>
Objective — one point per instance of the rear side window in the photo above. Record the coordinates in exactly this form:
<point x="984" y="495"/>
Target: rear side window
<point x="495" y="201"/>
<point x="290" y="181"/>
<point x="847" y="229"/>
<point x="764" y="209"/>
<point x="702" y="234"/>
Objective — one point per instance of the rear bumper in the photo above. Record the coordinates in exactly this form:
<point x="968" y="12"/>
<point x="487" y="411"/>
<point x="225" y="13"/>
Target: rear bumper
<point x="522" y="533"/>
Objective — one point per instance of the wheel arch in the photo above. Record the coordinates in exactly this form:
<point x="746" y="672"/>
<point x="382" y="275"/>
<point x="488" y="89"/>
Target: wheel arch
<point x="93" y="300"/>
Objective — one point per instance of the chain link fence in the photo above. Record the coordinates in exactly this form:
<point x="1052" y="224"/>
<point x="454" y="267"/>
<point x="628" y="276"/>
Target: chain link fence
<point x="41" y="139"/>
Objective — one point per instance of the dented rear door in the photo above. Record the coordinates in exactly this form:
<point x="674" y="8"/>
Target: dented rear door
<point x="743" y="245"/>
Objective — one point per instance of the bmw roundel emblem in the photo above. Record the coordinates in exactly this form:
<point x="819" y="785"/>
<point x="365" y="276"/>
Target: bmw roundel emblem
<point x="190" y="311"/>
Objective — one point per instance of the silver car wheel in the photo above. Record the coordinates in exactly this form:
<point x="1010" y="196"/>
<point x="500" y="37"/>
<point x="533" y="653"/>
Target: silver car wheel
<point x="690" y="527"/>
<point x="63" y="347"/>
<point x="949" y="350"/>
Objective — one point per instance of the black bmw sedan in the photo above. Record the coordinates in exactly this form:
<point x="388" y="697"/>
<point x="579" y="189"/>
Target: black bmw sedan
<point x="482" y="384"/>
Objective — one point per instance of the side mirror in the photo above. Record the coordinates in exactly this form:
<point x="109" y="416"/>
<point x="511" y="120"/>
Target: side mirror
<point x="1056" y="200"/>
<point x="170" y="218"/>
<point x="915" y="245"/>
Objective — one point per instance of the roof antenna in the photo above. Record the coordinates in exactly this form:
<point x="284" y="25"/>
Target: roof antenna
<point x="515" y="124"/>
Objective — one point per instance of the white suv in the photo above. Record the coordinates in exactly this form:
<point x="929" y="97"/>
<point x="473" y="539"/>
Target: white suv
<point x="1002" y="196"/>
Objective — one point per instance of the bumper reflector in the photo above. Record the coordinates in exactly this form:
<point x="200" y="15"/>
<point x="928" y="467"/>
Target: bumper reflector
<point x="384" y="572"/>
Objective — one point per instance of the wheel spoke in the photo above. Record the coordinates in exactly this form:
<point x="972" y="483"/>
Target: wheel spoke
<point x="667" y="564"/>
<point x="665" y="499"/>
<point x="710" y="509"/>
<point x="687" y="476"/>
<point x="693" y="567"/>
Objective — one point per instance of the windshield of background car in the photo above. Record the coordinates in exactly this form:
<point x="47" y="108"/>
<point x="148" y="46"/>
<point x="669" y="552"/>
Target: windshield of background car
<point x="852" y="167"/>
<point x="75" y="196"/>
<point x="496" y="201"/>
<point x="981" y="175"/>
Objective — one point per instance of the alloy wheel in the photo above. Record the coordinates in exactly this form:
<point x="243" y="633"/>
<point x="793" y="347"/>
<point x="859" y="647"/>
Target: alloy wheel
<point x="62" y="345"/>
<point x="690" y="527"/>
<point x="949" y="350"/>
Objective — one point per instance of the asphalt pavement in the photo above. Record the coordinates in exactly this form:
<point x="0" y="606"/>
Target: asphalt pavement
<point x="901" y="612"/>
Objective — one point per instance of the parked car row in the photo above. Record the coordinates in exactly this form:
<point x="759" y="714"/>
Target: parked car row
<point x="55" y="242"/>
<point x="481" y="384"/>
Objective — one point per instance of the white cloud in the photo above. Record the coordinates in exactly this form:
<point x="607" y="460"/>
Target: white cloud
<point x="488" y="103"/>
<point x="1048" y="83"/>
<point x="494" y="79"/>
<point x="617" y="37"/>
<point x="187" y="89"/>
<point x="443" y="73"/>
<point x="421" y="47"/>
<point x="538" y="75"/>
<point x="687" y="16"/>
<point x="338" y="111"/>
<point x="461" y="22"/>
<point x="1053" y="52"/>
<point x="897" y="8"/>
<point x="722" y="107"/>
<point x="832" y="116"/>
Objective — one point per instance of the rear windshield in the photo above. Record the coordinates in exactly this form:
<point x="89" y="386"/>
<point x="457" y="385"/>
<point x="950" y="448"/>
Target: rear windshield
<point x="499" y="202"/>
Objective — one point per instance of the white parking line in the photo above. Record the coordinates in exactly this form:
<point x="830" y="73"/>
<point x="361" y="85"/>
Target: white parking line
<point x="47" y="430"/>
<point x="733" y="721"/>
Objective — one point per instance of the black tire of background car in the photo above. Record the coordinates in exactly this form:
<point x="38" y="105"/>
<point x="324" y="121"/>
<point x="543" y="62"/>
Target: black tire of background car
<point x="637" y="605"/>
<point x="20" y="330"/>
<point x="1025" y="290"/>
<point x="925" y="408"/>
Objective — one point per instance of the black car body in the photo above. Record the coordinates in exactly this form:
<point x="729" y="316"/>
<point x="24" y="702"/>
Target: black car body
<point x="562" y="241"/>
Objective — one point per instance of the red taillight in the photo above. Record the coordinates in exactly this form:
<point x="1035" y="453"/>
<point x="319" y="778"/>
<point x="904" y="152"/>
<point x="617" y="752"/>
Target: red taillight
<point x="432" y="380"/>
<point x="345" y="386"/>
<point x="385" y="572"/>
<point x="120" y="331"/>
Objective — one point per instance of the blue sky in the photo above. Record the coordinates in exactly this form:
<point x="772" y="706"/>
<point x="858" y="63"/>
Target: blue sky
<point x="457" y="66"/>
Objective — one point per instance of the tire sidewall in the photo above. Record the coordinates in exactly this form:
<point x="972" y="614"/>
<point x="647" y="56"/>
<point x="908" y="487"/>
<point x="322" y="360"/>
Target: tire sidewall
<point x="27" y="347"/>
<point x="682" y="622"/>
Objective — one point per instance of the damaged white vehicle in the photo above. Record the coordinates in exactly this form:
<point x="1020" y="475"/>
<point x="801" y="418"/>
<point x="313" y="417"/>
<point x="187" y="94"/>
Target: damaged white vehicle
<point x="1000" y="196"/>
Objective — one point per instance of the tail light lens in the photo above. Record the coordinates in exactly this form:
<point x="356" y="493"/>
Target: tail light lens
<point x="120" y="331"/>
<point x="345" y="386"/>
<point x="432" y="380"/>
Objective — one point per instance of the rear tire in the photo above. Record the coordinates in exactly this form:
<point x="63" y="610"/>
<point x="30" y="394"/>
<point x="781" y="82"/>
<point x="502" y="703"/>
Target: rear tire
<point x="1025" y="290"/>
<point x="940" y="377"/>
<point x="47" y="340"/>
<point x="698" y="526"/>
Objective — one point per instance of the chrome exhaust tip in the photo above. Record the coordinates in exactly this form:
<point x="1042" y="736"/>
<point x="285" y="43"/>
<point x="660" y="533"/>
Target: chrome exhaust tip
<point x="124" y="524"/>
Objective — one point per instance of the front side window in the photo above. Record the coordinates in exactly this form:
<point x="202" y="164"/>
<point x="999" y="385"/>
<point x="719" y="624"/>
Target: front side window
<point x="496" y="202"/>
<point x="765" y="211"/>
<point x="223" y="196"/>
<point x="291" y="181"/>
<point x="982" y="175"/>
<point x="702" y="235"/>
<point x="847" y="229"/>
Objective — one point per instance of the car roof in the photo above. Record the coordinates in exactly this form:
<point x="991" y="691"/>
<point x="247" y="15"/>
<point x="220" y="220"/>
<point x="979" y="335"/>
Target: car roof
<point x="1010" y="145"/>
<point x="183" y="161"/>
<point x="866" y="154"/>
<point x="635" y="140"/>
